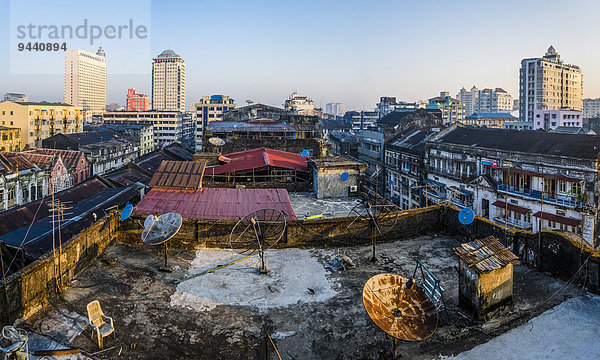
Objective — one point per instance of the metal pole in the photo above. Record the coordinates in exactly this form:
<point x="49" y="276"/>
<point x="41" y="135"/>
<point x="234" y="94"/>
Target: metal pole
<point x="5" y="288"/>
<point x="394" y="348"/>
<point x="165" y="254"/>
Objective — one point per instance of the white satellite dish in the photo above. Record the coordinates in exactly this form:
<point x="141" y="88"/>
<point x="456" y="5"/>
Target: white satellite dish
<point x="216" y="141"/>
<point x="159" y="230"/>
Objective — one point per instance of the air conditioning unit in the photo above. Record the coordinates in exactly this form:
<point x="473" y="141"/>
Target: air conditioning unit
<point x="561" y="212"/>
<point x="353" y="189"/>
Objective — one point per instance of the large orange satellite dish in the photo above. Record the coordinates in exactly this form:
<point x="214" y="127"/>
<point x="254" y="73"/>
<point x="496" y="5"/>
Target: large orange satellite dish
<point x="400" y="307"/>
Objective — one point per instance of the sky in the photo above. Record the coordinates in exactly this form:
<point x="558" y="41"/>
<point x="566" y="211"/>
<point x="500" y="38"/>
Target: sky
<point x="349" y="51"/>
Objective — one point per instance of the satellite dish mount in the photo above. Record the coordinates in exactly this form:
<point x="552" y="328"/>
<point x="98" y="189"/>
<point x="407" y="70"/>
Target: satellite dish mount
<point x="258" y="231"/>
<point x="158" y="230"/>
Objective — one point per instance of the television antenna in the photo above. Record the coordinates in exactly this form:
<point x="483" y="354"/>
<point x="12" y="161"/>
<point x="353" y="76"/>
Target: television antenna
<point x="400" y="307"/>
<point x="157" y="230"/>
<point x="258" y="231"/>
<point x="372" y="221"/>
<point x="57" y="209"/>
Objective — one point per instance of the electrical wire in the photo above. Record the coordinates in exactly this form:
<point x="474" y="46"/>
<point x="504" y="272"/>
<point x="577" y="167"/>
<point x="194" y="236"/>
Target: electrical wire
<point x="20" y="247"/>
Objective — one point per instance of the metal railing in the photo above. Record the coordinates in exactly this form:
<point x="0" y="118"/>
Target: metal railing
<point x="513" y="223"/>
<point x="557" y="199"/>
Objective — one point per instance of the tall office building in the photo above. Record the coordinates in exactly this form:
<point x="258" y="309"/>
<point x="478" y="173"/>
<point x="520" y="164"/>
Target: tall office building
<point x="85" y="80"/>
<point x="548" y="84"/>
<point x="168" y="82"/>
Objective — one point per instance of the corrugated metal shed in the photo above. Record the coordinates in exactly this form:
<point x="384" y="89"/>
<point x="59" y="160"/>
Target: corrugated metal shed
<point x="178" y="175"/>
<point x="486" y="254"/>
<point x="256" y="158"/>
<point x="215" y="203"/>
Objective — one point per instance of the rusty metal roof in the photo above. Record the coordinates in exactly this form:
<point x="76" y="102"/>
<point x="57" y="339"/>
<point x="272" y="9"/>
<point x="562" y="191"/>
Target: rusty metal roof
<point x="178" y="175"/>
<point x="215" y="203"/>
<point x="403" y="312"/>
<point x="260" y="157"/>
<point x="69" y="157"/>
<point x="486" y="254"/>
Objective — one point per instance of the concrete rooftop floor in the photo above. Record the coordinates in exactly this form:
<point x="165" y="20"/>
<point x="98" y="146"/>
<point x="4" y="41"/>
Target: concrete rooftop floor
<point x="306" y="204"/>
<point x="139" y="298"/>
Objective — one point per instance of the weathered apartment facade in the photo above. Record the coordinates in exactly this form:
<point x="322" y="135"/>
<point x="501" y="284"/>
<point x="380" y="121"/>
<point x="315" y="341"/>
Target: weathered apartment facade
<point x="528" y="180"/>
<point x="405" y="170"/>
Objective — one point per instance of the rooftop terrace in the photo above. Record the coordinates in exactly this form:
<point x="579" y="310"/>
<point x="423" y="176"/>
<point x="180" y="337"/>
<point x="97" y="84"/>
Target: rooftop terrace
<point x="310" y="311"/>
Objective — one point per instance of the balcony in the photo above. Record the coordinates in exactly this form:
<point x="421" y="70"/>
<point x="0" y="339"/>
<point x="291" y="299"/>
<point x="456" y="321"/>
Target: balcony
<point x="450" y="174"/>
<point x="519" y="224"/>
<point x="554" y="199"/>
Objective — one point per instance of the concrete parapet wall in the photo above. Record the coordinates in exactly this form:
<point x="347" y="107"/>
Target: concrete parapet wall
<point x="29" y="289"/>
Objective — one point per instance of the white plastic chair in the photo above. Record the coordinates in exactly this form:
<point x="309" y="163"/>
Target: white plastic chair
<point x="101" y="324"/>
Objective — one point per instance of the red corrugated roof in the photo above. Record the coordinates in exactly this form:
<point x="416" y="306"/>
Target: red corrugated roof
<point x="215" y="203"/>
<point x="255" y="158"/>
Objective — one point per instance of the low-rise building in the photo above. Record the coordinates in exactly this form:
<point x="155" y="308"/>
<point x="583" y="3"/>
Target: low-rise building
<point x="338" y="176"/>
<point x="104" y="149"/>
<point x="300" y="104"/>
<point x="267" y="133"/>
<point x="141" y="134"/>
<point x="519" y="125"/>
<point x="21" y="181"/>
<point x="405" y="170"/>
<point x="496" y="120"/>
<point x="167" y="125"/>
<point x="137" y="101"/>
<point x="591" y="108"/>
<point x="40" y="120"/>
<point x="453" y="111"/>
<point x="343" y="143"/>
<point x="10" y="138"/>
<point x="364" y="120"/>
<point x="76" y="163"/>
<point x="15" y="97"/>
<point x="525" y="179"/>
<point x="551" y="119"/>
<point x="386" y="130"/>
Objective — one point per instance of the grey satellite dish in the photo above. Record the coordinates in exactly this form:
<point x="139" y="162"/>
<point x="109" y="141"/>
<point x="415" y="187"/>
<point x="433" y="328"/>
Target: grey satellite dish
<point x="216" y="141"/>
<point x="159" y="230"/>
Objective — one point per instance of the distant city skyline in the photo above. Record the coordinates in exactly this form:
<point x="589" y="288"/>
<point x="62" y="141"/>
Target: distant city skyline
<point x="263" y="51"/>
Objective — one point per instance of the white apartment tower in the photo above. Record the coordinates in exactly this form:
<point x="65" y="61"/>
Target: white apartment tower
<point x="548" y="84"/>
<point x="168" y="82"/>
<point x="485" y="101"/>
<point x="85" y="80"/>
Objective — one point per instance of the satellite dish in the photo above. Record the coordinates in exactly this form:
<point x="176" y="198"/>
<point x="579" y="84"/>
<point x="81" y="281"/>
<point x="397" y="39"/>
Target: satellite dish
<point x="216" y="141"/>
<point x="372" y="221"/>
<point x="345" y="176"/>
<point x="126" y="213"/>
<point x="150" y="219"/>
<point x="466" y="216"/>
<point x="258" y="231"/>
<point x="400" y="307"/>
<point x="161" y="229"/>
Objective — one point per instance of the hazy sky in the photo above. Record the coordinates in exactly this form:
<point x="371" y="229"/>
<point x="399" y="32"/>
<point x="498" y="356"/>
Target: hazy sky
<point x="340" y="51"/>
